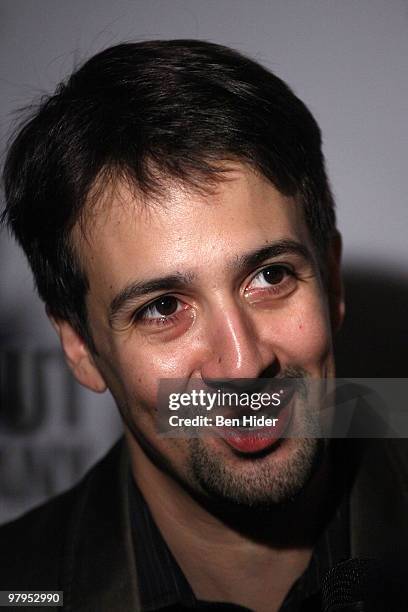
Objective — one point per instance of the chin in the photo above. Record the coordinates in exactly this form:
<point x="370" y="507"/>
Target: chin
<point x="261" y="481"/>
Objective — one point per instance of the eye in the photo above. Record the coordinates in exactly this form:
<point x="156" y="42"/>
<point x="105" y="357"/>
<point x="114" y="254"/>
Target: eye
<point x="162" y="308"/>
<point x="168" y="316"/>
<point x="272" y="282"/>
<point x="273" y="275"/>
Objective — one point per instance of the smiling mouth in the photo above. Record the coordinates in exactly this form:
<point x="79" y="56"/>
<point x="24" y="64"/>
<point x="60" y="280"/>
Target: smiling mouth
<point x="256" y="432"/>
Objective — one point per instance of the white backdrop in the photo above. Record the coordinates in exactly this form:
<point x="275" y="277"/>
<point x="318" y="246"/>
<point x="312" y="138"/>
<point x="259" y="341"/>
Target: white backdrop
<point x="348" y="60"/>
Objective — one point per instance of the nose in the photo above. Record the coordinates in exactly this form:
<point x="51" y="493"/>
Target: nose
<point x="235" y="348"/>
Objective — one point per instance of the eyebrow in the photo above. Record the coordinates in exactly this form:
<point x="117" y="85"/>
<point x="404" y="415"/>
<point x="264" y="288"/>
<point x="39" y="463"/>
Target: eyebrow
<point x="179" y="281"/>
<point x="281" y="247"/>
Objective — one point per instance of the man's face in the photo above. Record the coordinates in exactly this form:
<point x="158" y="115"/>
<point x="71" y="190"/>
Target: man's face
<point x="191" y="287"/>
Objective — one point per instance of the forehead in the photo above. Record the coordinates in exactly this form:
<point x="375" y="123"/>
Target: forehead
<point x="127" y="235"/>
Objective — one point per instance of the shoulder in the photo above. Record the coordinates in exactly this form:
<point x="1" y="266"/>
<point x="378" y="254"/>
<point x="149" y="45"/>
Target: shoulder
<point x="31" y="545"/>
<point x="32" y="548"/>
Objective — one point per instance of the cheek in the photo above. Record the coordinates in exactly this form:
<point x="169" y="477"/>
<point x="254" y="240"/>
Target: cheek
<point x="304" y="334"/>
<point x="312" y="340"/>
<point x="134" y="370"/>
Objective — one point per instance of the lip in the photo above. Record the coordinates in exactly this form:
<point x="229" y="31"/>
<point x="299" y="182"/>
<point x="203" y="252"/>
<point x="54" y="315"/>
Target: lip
<point x="255" y="440"/>
<point x="252" y="440"/>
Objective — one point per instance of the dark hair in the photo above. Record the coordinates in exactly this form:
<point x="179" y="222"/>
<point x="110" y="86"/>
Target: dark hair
<point x="177" y="107"/>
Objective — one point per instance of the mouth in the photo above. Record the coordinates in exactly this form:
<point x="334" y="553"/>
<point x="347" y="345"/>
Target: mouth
<point x="258" y="432"/>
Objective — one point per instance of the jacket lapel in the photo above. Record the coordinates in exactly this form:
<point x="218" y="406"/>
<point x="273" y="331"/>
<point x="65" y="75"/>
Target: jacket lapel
<point x="99" y="570"/>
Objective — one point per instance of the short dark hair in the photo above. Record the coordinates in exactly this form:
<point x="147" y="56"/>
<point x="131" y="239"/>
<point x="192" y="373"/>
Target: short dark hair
<point x="178" y="106"/>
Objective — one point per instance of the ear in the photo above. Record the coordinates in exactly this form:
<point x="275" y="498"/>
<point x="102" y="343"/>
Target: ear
<point x="335" y="288"/>
<point x="78" y="356"/>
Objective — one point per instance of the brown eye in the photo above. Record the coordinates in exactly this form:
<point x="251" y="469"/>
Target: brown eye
<point x="274" y="275"/>
<point x="160" y="309"/>
<point x="166" y="305"/>
<point x="275" y="278"/>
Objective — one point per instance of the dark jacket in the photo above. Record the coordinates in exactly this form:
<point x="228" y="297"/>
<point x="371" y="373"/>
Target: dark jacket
<point x="80" y="542"/>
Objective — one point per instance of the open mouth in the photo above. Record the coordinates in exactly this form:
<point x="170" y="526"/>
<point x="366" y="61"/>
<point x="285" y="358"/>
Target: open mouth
<point x="250" y="431"/>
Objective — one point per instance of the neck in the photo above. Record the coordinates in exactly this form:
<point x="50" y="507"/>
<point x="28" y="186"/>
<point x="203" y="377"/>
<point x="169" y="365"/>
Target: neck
<point x="245" y="557"/>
